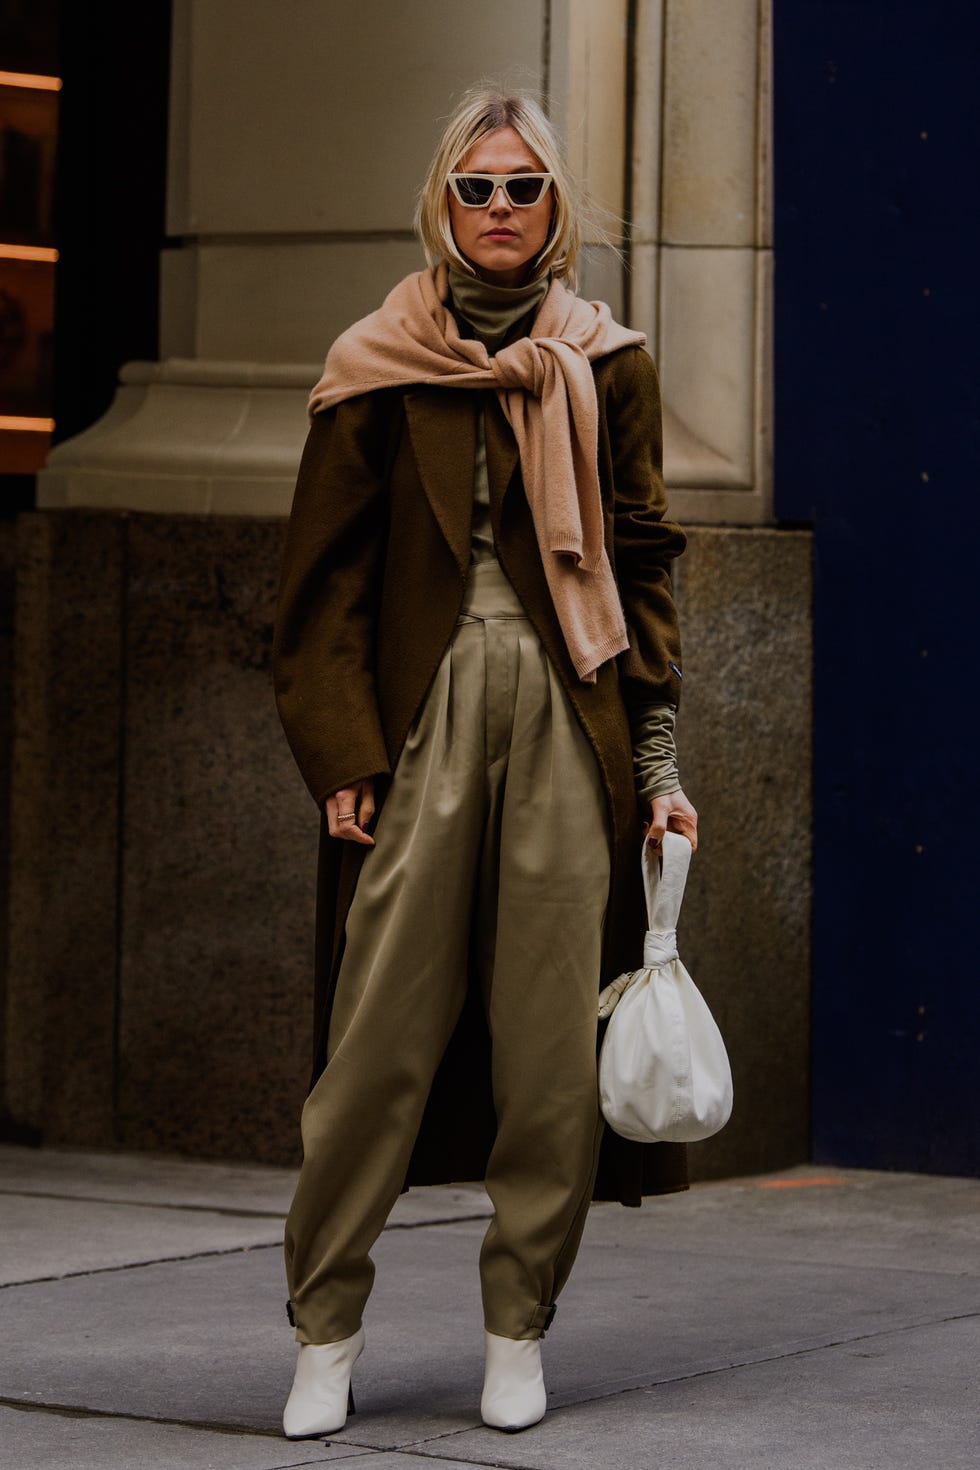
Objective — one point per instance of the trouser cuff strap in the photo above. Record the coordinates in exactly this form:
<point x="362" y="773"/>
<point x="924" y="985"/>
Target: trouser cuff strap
<point x="542" y="1317"/>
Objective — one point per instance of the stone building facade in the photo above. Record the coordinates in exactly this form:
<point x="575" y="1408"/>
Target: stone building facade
<point x="159" y="834"/>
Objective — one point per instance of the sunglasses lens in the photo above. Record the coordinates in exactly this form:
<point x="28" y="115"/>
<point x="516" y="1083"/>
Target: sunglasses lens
<point x="474" y="190"/>
<point x="523" y="191"/>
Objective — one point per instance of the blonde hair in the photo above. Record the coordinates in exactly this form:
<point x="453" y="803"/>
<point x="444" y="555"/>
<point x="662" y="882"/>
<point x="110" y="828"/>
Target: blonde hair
<point x="482" y="111"/>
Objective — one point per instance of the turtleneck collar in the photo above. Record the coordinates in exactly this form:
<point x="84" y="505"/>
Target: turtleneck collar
<point x="492" y="310"/>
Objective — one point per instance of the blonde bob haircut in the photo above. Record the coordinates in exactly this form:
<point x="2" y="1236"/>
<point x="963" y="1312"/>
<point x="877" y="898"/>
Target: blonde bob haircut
<point x="481" y="112"/>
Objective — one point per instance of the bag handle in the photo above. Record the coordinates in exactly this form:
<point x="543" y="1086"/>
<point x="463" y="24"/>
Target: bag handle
<point x="664" y="880"/>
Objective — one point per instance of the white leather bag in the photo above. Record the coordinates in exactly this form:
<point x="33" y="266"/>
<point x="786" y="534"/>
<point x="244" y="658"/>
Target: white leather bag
<point x="664" y="1074"/>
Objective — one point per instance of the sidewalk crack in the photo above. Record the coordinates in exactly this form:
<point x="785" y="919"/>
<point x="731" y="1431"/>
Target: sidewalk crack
<point x="774" y="1357"/>
<point x="82" y="1411"/>
<point x="233" y="1250"/>
<point x="145" y="1204"/>
<point x="418" y="1454"/>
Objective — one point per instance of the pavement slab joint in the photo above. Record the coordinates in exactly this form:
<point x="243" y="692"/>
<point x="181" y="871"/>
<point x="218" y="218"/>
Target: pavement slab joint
<point x="144" y="1204"/>
<point x="271" y="1245"/>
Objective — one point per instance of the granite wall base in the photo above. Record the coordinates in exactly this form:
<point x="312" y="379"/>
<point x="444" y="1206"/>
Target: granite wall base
<point x="744" y="734"/>
<point x="163" y="846"/>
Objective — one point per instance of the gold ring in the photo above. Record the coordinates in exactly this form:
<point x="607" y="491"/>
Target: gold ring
<point x="346" y="816"/>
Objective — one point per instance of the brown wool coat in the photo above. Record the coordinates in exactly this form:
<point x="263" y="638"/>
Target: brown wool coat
<point x="376" y="558"/>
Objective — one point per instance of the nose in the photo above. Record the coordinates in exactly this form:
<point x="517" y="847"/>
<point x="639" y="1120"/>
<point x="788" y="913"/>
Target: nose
<point x="499" y="200"/>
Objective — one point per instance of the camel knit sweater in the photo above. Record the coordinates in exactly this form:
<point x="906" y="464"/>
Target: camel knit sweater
<point x="547" y="391"/>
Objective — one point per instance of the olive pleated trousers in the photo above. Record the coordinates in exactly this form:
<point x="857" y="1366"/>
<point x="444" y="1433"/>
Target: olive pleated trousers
<point x="493" y="840"/>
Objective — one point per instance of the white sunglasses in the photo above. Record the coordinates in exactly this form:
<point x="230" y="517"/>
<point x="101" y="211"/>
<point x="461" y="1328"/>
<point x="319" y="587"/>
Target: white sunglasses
<point x="475" y="191"/>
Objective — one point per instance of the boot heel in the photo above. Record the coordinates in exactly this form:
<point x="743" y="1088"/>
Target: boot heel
<point x="350" y="1400"/>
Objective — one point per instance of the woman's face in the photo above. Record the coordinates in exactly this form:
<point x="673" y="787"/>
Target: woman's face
<point x="499" y="240"/>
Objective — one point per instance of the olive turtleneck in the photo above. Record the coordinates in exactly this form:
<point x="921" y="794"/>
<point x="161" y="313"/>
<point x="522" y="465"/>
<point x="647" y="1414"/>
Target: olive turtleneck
<point x="493" y="312"/>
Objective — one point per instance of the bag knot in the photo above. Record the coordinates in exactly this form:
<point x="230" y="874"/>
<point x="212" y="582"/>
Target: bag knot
<point x="659" y="948"/>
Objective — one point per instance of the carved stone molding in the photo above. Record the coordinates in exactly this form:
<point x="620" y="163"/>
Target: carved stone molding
<point x="199" y="437"/>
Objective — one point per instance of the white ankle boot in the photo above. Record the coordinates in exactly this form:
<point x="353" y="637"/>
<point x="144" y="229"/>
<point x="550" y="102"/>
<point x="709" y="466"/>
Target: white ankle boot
<point x="321" y="1395"/>
<point x="513" y="1387"/>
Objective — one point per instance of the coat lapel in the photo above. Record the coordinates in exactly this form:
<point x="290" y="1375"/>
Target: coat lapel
<point x="442" y="427"/>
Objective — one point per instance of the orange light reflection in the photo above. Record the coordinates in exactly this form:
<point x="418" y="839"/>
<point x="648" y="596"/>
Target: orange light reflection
<point x="28" y="252"/>
<point x="31" y="426"/>
<point x="25" y="79"/>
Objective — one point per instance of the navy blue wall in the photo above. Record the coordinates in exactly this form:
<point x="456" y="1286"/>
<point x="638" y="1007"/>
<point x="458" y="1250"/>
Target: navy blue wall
<point x="877" y="149"/>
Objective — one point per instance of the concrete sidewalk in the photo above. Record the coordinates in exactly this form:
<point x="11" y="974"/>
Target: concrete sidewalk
<point x="816" y="1318"/>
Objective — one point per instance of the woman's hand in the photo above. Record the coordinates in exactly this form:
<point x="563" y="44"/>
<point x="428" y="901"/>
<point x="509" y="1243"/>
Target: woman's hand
<point x="358" y="800"/>
<point x="671" y="813"/>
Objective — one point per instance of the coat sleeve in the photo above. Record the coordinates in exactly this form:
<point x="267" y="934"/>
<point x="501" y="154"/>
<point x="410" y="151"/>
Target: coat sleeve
<point x="644" y="542"/>
<point x="323" y="657"/>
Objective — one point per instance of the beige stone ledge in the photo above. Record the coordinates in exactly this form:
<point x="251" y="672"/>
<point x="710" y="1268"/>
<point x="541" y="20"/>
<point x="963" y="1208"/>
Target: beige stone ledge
<point x="191" y="437"/>
<point x="225" y="438"/>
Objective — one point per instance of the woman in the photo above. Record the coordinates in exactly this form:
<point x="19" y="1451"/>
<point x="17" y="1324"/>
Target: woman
<point x="475" y="608"/>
